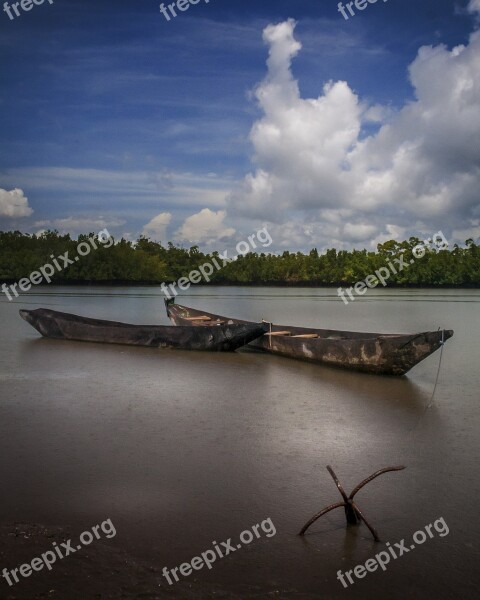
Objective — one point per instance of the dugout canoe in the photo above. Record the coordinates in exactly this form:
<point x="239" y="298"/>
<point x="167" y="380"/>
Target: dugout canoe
<point x="381" y="354"/>
<point x="218" y="337"/>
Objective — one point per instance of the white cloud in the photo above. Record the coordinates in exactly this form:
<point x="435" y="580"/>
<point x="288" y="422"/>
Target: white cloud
<point x="471" y="231"/>
<point x="205" y="227"/>
<point x="355" y="232"/>
<point x="314" y="164"/>
<point x="474" y="6"/>
<point x="127" y="188"/>
<point x="157" y="227"/>
<point x="14" y="204"/>
<point x="391" y="232"/>
<point x="78" y="225"/>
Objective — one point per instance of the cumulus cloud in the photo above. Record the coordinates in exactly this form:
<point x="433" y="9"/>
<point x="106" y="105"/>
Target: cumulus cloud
<point x="79" y="225"/>
<point x="157" y="227"/>
<point x="471" y="231"/>
<point x="14" y="204"/>
<point x="205" y="227"/>
<point x="474" y="6"/>
<point x="418" y="173"/>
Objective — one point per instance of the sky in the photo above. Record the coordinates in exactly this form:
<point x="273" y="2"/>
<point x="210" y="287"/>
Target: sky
<point x="242" y="114"/>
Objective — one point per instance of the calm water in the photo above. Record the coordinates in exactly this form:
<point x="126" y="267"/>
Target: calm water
<point x="180" y="449"/>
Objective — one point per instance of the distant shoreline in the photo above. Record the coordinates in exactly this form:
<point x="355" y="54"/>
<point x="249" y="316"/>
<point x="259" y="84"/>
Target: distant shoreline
<point x="98" y="260"/>
<point x="301" y="284"/>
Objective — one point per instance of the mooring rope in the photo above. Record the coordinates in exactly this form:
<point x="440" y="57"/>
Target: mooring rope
<point x="430" y="404"/>
<point x="442" y="344"/>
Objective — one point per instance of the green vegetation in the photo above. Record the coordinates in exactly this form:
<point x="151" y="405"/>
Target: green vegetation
<point x="149" y="262"/>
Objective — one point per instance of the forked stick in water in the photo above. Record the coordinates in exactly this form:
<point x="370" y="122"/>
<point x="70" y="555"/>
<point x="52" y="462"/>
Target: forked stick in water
<point x="352" y="511"/>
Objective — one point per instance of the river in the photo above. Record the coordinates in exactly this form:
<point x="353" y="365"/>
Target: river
<point x="180" y="449"/>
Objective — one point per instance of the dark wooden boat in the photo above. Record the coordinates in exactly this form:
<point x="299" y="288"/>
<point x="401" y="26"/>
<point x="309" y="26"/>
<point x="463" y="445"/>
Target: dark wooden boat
<point x="218" y="337"/>
<point x="385" y="354"/>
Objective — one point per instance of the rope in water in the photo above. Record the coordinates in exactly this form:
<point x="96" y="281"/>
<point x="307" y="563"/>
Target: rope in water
<point x="430" y="404"/>
<point x="442" y="344"/>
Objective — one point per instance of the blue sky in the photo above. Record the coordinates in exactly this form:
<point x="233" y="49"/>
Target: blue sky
<point x="110" y="116"/>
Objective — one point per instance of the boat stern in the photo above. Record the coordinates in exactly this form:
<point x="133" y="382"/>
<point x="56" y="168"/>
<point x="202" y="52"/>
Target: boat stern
<point x="41" y="320"/>
<point x="32" y="318"/>
<point x="26" y="316"/>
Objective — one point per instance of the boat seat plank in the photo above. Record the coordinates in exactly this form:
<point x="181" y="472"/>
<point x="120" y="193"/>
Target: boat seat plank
<point x="306" y="335"/>
<point x="277" y="333"/>
<point x="201" y="318"/>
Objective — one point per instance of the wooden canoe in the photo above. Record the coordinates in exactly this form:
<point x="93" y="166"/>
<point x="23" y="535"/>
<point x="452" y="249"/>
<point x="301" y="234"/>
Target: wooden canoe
<point x="216" y="337"/>
<point x="383" y="354"/>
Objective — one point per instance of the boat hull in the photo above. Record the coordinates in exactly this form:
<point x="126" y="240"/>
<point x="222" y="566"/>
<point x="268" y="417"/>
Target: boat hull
<point x="382" y="354"/>
<point x="215" y="338"/>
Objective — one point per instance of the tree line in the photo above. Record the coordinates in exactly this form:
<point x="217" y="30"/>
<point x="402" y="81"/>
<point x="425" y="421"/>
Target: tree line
<point x="148" y="262"/>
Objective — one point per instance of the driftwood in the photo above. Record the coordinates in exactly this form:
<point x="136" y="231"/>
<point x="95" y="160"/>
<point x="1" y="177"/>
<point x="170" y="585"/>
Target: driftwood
<point x="352" y="511"/>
